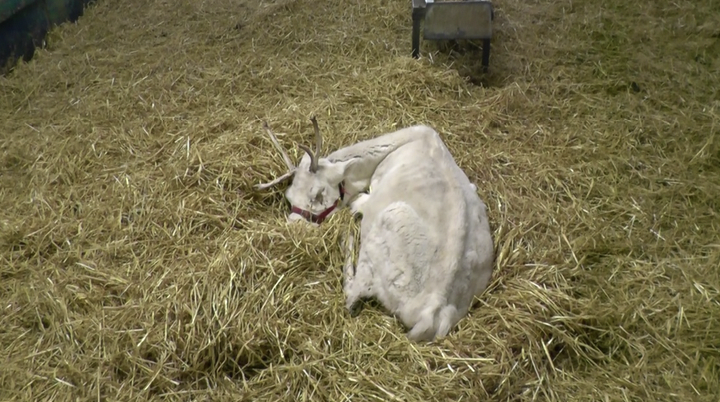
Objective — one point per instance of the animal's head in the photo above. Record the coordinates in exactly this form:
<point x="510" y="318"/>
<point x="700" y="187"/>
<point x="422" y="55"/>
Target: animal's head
<point x="316" y="189"/>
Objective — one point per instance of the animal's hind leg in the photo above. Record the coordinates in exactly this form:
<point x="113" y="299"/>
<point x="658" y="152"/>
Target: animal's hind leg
<point x="357" y="280"/>
<point x="401" y="270"/>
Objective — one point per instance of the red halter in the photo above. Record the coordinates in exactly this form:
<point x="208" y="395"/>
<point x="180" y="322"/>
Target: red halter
<point x="319" y="218"/>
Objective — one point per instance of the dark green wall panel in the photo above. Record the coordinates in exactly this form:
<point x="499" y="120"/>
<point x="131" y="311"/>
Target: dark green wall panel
<point x="25" y="23"/>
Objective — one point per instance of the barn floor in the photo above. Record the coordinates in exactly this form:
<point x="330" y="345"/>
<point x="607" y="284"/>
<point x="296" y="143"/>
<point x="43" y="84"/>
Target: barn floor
<point x="137" y="262"/>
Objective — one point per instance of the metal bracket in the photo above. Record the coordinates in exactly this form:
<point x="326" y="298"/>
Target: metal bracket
<point x="447" y="20"/>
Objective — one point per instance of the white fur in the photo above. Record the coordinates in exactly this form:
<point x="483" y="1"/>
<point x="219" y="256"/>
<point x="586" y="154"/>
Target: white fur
<point x="426" y="248"/>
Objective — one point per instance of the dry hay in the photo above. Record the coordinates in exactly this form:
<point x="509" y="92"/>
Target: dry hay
<point x="138" y="262"/>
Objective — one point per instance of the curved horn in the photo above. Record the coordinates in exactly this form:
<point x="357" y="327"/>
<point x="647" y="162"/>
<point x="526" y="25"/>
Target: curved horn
<point x="318" y="138"/>
<point x="277" y="146"/>
<point x="313" y="158"/>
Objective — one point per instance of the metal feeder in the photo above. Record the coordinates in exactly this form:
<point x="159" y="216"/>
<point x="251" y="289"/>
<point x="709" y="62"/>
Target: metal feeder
<point x="452" y="20"/>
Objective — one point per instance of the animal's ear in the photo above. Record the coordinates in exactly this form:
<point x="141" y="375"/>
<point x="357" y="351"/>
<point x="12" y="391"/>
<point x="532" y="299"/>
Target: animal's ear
<point x="305" y="162"/>
<point x="291" y="168"/>
<point x="333" y="171"/>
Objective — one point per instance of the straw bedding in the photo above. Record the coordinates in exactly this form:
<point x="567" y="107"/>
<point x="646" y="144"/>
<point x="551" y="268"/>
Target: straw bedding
<point x="138" y="262"/>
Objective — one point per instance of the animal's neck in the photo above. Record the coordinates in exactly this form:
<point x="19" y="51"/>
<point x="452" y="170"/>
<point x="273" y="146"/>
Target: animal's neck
<point x="363" y="157"/>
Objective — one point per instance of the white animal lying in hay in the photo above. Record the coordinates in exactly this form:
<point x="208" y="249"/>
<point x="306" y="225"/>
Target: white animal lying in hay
<point x="425" y="244"/>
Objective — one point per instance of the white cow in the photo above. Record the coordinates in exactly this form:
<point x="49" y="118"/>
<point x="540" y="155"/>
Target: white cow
<point x="426" y="248"/>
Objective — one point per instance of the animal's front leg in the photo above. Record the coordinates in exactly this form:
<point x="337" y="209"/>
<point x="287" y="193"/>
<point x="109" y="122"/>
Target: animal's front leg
<point x="349" y="277"/>
<point x="357" y="279"/>
<point x="358" y="202"/>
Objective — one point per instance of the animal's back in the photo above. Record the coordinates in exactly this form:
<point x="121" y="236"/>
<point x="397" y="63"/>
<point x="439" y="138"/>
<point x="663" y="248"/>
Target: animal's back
<point x="472" y="278"/>
<point x="424" y="176"/>
<point x="413" y="177"/>
<point x="456" y="262"/>
<point x="417" y="174"/>
<point x="478" y="257"/>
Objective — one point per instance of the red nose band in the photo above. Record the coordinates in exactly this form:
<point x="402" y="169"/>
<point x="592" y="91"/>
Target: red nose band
<point x="319" y="218"/>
